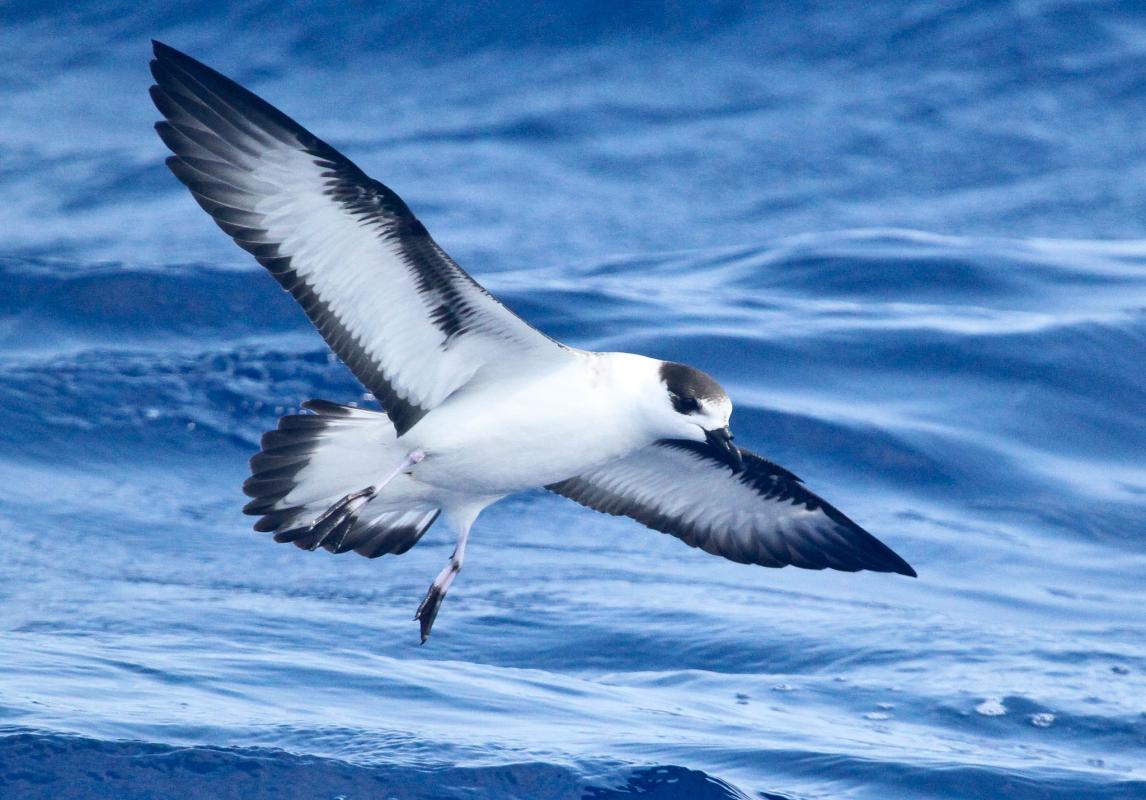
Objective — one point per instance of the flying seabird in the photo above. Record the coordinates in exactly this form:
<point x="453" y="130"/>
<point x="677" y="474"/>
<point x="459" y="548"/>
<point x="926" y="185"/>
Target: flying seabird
<point x="477" y="404"/>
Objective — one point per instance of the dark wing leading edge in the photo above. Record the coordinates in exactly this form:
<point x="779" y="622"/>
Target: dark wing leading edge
<point x="763" y="515"/>
<point x="412" y="326"/>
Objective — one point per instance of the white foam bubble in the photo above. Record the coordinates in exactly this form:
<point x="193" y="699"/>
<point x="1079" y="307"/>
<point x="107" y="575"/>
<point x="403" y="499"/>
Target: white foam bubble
<point x="991" y="707"/>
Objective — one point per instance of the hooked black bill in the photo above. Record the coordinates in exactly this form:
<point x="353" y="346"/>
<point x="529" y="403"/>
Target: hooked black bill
<point x="729" y="453"/>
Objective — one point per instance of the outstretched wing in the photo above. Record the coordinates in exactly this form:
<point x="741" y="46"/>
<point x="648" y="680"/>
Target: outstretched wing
<point x="412" y="326"/>
<point x="763" y="515"/>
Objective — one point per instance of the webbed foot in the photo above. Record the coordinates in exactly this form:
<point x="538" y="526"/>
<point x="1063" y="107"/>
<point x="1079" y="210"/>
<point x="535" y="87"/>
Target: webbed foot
<point x="428" y="609"/>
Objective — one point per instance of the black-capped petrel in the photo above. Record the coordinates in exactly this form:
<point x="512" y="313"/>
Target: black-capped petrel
<point x="476" y="403"/>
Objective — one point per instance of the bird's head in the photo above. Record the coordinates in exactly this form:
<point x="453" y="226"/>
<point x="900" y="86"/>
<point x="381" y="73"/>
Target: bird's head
<point x="696" y="407"/>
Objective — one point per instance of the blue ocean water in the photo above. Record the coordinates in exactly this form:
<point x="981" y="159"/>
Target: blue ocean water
<point x="911" y="240"/>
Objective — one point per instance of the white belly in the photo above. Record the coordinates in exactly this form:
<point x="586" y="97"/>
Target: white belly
<point x="512" y="437"/>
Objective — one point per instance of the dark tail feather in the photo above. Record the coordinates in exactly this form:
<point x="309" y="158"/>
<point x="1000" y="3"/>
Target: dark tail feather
<point x="303" y="458"/>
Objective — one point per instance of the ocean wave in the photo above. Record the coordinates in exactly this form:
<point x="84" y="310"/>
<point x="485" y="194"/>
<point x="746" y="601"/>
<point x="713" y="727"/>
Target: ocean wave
<point x="909" y="240"/>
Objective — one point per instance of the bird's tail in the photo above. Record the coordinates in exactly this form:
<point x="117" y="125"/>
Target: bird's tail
<point x="313" y="481"/>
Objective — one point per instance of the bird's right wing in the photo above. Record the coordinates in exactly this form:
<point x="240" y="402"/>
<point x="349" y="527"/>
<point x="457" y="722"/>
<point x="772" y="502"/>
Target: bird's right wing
<point x="762" y="515"/>
<point x="412" y="326"/>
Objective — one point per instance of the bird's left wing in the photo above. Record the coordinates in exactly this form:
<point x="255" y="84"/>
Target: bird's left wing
<point x="412" y="326"/>
<point x="761" y="515"/>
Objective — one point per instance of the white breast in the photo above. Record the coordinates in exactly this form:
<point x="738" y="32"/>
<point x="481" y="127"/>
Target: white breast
<point x="515" y="435"/>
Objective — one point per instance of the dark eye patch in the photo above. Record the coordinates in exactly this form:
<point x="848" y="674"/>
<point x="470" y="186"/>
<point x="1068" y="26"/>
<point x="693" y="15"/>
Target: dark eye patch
<point x="684" y="405"/>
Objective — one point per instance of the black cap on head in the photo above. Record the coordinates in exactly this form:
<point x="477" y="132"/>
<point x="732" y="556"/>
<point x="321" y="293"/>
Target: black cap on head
<point x="687" y="386"/>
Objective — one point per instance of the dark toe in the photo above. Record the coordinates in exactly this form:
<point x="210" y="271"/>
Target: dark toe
<point x="428" y="611"/>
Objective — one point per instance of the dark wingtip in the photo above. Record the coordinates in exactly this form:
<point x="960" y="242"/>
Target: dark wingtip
<point x="895" y="562"/>
<point x="892" y="561"/>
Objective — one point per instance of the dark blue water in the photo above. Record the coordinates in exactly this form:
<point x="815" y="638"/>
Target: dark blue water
<point x="910" y="238"/>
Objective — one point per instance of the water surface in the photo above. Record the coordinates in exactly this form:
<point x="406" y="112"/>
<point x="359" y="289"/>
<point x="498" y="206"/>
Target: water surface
<point x="911" y="243"/>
